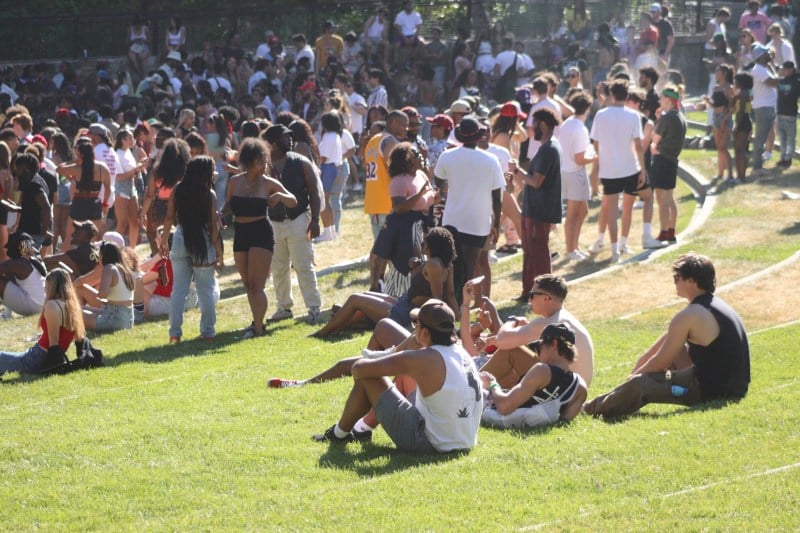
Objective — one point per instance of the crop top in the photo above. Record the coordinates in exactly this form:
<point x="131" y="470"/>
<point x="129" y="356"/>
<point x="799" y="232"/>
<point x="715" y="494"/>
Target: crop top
<point x="119" y="292"/>
<point x="162" y="193"/>
<point x="245" y="206"/>
<point x="65" y="336"/>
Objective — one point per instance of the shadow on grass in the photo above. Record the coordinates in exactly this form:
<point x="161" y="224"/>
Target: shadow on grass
<point x="681" y="410"/>
<point x="794" y="229"/>
<point x="372" y="460"/>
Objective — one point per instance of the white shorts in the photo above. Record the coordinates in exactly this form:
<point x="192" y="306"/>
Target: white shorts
<point x="575" y="186"/>
<point x="524" y="417"/>
<point x="19" y="301"/>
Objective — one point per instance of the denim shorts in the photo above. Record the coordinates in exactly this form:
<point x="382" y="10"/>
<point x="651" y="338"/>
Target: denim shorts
<point x="125" y="189"/>
<point x="114" y="317"/>
<point x="328" y="175"/>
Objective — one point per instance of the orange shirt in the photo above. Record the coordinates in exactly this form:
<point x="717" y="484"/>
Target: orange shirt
<point x="377" y="200"/>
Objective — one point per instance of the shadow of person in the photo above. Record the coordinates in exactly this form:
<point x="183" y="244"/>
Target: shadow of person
<point x="679" y="410"/>
<point x="369" y="460"/>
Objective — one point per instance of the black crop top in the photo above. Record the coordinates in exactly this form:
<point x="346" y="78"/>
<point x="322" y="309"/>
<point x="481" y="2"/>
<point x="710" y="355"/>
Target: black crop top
<point x="244" y="206"/>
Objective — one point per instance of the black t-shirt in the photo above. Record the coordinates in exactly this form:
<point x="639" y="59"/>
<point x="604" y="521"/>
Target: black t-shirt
<point x="664" y="30"/>
<point x="30" y="220"/>
<point x="544" y="204"/>
<point x="788" y="93"/>
<point x="52" y="183"/>
<point x="651" y="104"/>
<point x="723" y="367"/>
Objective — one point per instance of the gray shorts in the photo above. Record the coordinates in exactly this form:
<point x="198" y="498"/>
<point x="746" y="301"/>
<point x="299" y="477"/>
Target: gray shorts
<point x="402" y="422"/>
<point x="575" y="186"/>
<point x="114" y="317"/>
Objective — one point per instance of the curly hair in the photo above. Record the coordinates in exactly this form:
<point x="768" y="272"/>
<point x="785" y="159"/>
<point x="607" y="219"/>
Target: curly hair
<point x="401" y="160"/>
<point x="441" y="245"/>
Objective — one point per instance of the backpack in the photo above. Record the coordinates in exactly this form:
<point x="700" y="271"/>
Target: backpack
<point x="57" y="361"/>
<point x="506" y="86"/>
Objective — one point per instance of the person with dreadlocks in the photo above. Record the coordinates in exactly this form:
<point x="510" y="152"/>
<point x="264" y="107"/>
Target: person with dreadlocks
<point x="22" y="276"/>
<point x="196" y="246"/>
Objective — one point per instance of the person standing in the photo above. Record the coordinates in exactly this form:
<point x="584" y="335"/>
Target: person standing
<point x="617" y="136"/>
<point x="196" y="246"/>
<point x="328" y="46"/>
<point x="377" y="95"/>
<point x="576" y="153"/>
<point x="755" y="21"/>
<point x="294" y="227"/>
<point x="35" y="217"/>
<point x="377" y="200"/>
<point x="765" y="100"/>
<point x="788" y="93"/>
<point x="666" y="146"/>
<point x="541" y="199"/>
<point x="474" y="186"/>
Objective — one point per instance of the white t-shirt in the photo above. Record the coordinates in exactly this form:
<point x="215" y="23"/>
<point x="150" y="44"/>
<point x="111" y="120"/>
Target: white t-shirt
<point x="254" y="79"/>
<point x="263" y="50"/>
<point x="306" y="51"/>
<point x="574" y="139"/>
<point x="218" y="82"/>
<point x="503" y="156"/>
<point x="408" y="23"/>
<point x="330" y="147"/>
<point x="615" y="128"/>
<point x="485" y="63"/>
<point x="533" y="145"/>
<point x="105" y="154"/>
<point x="348" y="142"/>
<point x="471" y="177"/>
<point x="524" y="62"/>
<point x="505" y="59"/>
<point x="763" y="96"/>
<point x="356" y="120"/>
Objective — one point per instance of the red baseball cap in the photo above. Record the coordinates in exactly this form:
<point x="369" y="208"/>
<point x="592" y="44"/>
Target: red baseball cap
<point x="441" y="120"/>
<point x="512" y="109"/>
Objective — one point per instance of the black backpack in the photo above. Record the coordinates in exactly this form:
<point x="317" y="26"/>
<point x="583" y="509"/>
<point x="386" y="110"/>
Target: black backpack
<point x="506" y="86"/>
<point x="57" y="361"/>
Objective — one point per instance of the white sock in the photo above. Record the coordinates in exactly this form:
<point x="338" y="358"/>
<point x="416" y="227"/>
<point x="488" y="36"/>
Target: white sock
<point x="339" y="432"/>
<point x="647" y="229"/>
<point x="601" y="237"/>
<point x="362" y="426"/>
<point x="623" y="241"/>
<point x="614" y="248"/>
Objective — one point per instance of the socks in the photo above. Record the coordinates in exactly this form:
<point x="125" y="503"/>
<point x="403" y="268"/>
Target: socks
<point x="362" y="426"/>
<point x="614" y="248"/>
<point x="339" y="432"/>
<point x="623" y="241"/>
<point x="139" y="307"/>
<point x="647" y="229"/>
<point x="601" y="237"/>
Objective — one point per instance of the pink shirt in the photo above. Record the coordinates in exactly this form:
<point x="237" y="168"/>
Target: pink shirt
<point x="405" y="185"/>
<point x="757" y="23"/>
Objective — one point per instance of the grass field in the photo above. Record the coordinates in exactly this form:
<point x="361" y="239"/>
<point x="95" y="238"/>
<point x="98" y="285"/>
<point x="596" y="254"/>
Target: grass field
<point x="189" y="436"/>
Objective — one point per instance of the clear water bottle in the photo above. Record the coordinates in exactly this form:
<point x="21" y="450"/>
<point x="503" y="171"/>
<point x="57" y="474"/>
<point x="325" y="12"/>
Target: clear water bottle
<point x="679" y="391"/>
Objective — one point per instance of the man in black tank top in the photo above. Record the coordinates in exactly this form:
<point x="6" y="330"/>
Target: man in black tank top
<point x="703" y="356"/>
<point x="294" y="227"/>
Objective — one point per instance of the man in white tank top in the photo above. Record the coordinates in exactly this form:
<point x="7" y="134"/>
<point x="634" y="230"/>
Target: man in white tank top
<point x="442" y="414"/>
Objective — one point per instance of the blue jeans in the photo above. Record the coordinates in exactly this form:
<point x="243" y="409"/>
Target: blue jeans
<point x="764" y="118"/>
<point x="221" y="184"/>
<point x="787" y="133"/>
<point x="182" y="272"/>
<point x="335" y="194"/>
<point x="29" y="361"/>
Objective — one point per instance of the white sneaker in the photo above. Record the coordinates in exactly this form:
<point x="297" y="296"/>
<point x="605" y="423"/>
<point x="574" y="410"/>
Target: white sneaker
<point x="615" y="259"/>
<point x="283" y="314"/>
<point x="650" y="243"/>
<point x="326" y="235"/>
<point x="492" y="257"/>
<point x="358" y="187"/>
<point x="597" y="247"/>
<point x="767" y="155"/>
<point x="575" y="255"/>
<point x="6" y="314"/>
<point x="638" y="204"/>
<point x="623" y="249"/>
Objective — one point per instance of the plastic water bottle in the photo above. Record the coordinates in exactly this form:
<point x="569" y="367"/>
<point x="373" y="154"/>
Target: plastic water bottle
<point x="679" y="391"/>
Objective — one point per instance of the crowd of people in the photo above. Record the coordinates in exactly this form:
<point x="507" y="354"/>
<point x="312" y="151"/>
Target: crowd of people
<point x="453" y="144"/>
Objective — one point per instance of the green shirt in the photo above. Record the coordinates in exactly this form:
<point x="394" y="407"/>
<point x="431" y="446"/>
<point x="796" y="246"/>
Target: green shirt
<point x="671" y="126"/>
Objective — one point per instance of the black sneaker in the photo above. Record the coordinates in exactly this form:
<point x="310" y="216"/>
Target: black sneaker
<point x="362" y="436"/>
<point x="330" y="436"/>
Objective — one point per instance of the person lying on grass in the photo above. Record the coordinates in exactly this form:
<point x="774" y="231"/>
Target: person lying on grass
<point x="703" y="356"/>
<point x="548" y="392"/>
<point x="431" y="279"/>
<point x="442" y="415"/>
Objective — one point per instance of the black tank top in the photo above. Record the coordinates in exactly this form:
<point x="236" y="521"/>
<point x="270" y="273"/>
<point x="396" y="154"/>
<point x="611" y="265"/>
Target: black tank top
<point x="293" y="178"/>
<point x="419" y="285"/>
<point x="723" y="367"/>
<point x="562" y="386"/>
<point x="244" y="206"/>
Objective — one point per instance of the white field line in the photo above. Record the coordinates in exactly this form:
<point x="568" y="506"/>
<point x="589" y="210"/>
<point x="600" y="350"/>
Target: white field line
<point x="688" y="490"/>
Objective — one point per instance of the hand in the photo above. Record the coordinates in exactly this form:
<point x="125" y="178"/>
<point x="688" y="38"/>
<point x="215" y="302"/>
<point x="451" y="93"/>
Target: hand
<point x="493" y="236"/>
<point x="467" y="294"/>
<point x="219" y="264"/>
<point x="486" y="379"/>
<point x="313" y="229"/>
<point x="487" y="305"/>
<point x="642" y="179"/>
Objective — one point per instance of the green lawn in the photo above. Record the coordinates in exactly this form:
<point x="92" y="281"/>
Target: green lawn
<point x="190" y="437"/>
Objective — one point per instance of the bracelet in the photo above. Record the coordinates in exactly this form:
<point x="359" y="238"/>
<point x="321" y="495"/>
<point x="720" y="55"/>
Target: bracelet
<point x="106" y="204"/>
<point x="493" y="385"/>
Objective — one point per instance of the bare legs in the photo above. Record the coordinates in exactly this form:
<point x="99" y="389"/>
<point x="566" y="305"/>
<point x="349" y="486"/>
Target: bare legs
<point x="127" y="210"/>
<point x="372" y="305"/>
<point x="576" y="214"/>
<point x="667" y="209"/>
<point x="508" y="366"/>
<point x="254" y="266"/>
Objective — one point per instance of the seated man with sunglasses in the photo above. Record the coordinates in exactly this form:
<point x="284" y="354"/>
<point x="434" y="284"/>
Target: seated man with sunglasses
<point x="548" y="393"/>
<point x="703" y="356"/>
<point x="442" y="415"/>
<point x="546" y="300"/>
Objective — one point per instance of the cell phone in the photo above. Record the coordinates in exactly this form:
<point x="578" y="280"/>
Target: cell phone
<point x="476" y="280"/>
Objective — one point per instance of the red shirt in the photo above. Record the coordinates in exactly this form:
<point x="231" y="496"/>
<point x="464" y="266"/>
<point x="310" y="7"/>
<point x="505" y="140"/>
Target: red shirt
<point x="163" y="290"/>
<point x="65" y="336"/>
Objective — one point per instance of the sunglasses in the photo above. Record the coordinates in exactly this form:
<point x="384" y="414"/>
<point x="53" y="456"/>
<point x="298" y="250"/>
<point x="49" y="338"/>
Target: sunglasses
<point x="536" y="293"/>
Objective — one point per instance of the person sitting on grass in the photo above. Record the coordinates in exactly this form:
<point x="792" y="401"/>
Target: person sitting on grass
<point x="546" y="300"/>
<point x="22" y="276"/>
<point x="444" y="413"/>
<point x="61" y="322"/>
<point x="110" y="307"/>
<point x="703" y="356"/>
<point x="430" y="279"/>
<point x="82" y="255"/>
<point x="548" y="393"/>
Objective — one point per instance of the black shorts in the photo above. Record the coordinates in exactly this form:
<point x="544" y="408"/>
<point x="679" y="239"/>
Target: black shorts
<point x="86" y="209"/>
<point x="467" y="239"/>
<point x="256" y="234"/>
<point x="395" y="242"/>
<point x="628" y="185"/>
<point x="664" y="173"/>
<point x="3" y="215"/>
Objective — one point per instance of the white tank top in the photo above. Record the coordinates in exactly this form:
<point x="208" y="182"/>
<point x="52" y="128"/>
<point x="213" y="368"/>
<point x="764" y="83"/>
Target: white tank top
<point x="33" y="286"/>
<point x="375" y="31"/>
<point x="174" y="39"/>
<point x="453" y="413"/>
<point x="119" y="292"/>
<point x="141" y="36"/>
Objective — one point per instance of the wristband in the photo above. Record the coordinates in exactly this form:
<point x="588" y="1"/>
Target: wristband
<point x="106" y="204"/>
<point x="493" y="385"/>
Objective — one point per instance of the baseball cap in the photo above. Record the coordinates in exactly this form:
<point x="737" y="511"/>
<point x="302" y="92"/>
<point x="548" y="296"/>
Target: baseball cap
<point x="86" y="225"/>
<point x="655" y="8"/>
<point x="99" y="129"/>
<point x="275" y="132"/>
<point x="435" y="315"/>
<point x="512" y="109"/>
<point x="788" y="64"/>
<point x="115" y="237"/>
<point x="759" y="50"/>
<point x="559" y="330"/>
<point x="459" y="106"/>
<point x="441" y="120"/>
<point x="308" y="86"/>
<point x="523" y="96"/>
<point x="328" y="24"/>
